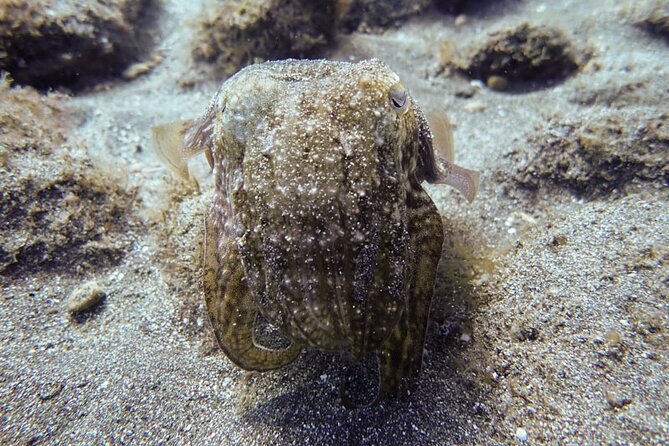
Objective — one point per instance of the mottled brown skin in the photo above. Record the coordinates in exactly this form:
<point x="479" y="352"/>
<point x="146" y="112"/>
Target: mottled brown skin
<point x="319" y="222"/>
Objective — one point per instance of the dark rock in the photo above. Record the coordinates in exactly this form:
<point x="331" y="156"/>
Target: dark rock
<point x="52" y="44"/>
<point x="467" y="6"/>
<point x="242" y="32"/>
<point x="656" y="20"/>
<point x="374" y="15"/>
<point x="527" y="57"/>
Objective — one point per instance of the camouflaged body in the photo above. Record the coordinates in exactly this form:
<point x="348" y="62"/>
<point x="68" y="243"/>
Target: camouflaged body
<point x="319" y="222"/>
<point x="318" y="184"/>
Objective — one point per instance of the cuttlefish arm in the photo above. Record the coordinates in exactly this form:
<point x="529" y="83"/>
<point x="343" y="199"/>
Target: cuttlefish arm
<point x="438" y="157"/>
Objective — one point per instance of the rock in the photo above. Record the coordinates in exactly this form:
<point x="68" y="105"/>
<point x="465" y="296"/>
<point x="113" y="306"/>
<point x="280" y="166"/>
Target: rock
<point x="48" y="44"/>
<point x="613" y="339"/>
<point x="655" y="19"/>
<point x="527" y="56"/>
<point x="557" y="242"/>
<point x="461" y="20"/>
<point x="57" y="211"/>
<point x="612" y="95"/>
<point x="374" y="15"/>
<point x="474" y="106"/>
<point x="141" y="68"/>
<point x="461" y="6"/>
<point x="615" y="400"/>
<point x="242" y="32"/>
<point x="467" y="91"/>
<point x="85" y="298"/>
<point x="595" y="158"/>
<point x="523" y="332"/>
<point x="497" y="83"/>
<point x="49" y="391"/>
<point x="521" y="434"/>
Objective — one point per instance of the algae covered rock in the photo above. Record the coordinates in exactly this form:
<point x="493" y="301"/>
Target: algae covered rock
<point x="48" y="43"/>
<point x="365" y="15"/>
<point x="597" y="157"/>
<point x="525" y="56"/>
<point x="57" y="211"/>
<point x="240" y="32"/>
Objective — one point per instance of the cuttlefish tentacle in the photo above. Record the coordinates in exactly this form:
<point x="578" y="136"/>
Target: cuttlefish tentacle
<point x="401" y="355"/>
<point x="232" y="310"/>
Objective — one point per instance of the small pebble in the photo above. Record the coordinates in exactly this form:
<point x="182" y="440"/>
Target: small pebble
<point x="85" y="298"/>
<point x="50" y="391"/>
<point x="461" y="20"/>
<point x="466" y="92"/>
<point x="615" y="400"/>
<point x="141" y="68"/>
<point x="497" y="83"/>
<point x="474" y="106"/>
<point x="613" y="339"/>
<point x="521" y="434"/>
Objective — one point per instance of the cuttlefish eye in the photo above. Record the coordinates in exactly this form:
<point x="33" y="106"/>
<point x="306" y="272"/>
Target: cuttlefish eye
<point x="399" y="98"/>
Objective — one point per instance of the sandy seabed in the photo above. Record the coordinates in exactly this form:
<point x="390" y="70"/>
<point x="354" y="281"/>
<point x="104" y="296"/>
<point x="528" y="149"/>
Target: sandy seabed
<point x="550" y="318"/>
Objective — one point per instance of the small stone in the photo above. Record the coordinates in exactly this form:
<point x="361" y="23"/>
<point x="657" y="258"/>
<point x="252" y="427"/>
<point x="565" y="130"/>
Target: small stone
<point x="140" y="68"/>
<point x="447" y="52"/>
<point x="85" y="298"/>
<point x="461" y="19"/>
<point x="50" y="391"/>
<point x="613" y="339"/>
<point x="615" y="400"/>
<point x="497" y="83"/>
<point x="474" y="106"/>
<point x="467" y="92"/>
<point x="521" y="434"/>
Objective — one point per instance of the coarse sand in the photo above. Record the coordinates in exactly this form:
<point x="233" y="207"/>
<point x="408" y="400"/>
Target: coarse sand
<point x="550" y="322"/>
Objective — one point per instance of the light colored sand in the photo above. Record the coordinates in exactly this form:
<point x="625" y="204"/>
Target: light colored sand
<point x="523" y="346"/>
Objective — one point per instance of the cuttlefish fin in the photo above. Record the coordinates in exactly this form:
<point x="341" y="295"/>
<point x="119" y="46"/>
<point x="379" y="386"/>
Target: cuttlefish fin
<point x="442" y="135"/>
<point x="438" y="156"/>
<point x="464" y="180"/>
<point x="177" y="141"/>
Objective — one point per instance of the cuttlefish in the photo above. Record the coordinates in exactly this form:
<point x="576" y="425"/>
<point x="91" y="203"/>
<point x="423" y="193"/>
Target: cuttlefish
<point x="319" y="221"/>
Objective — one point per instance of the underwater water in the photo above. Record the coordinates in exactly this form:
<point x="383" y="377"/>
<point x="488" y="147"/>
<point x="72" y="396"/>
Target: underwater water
<point x="321" y="305"/>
